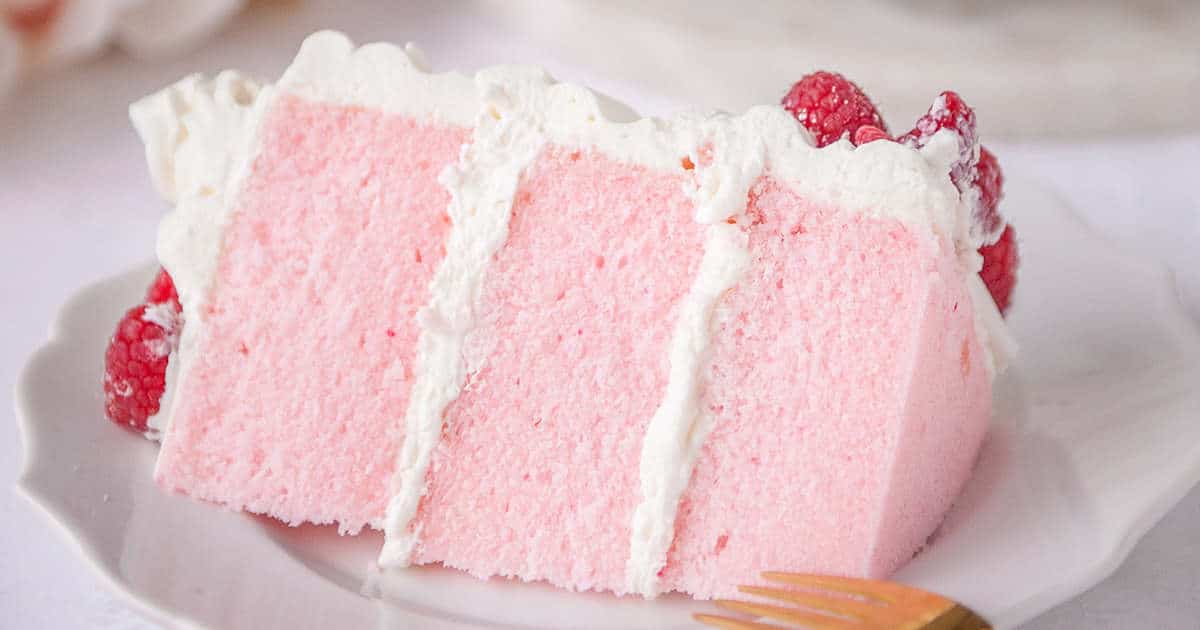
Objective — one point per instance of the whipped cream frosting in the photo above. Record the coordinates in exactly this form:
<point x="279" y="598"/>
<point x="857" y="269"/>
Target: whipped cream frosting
<point x="329" y="69"/>
<point x="679" y="426"/>
<point x="163" y="315"/>
<point x="482" y="187"/>
<point x="201" y="134"/>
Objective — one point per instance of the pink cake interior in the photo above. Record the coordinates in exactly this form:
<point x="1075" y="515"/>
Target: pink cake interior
<point x="849" y="391"/>
<point x="537" y="472"/>
<point x="850" y="397"/>
<point x="294" y="404"/>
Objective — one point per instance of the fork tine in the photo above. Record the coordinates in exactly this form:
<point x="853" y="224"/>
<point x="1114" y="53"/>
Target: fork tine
<point x="878" y="590"/>
<point x="813" y="620"/>
<point x="729" y="623"/>
<point x="844" y="606"/>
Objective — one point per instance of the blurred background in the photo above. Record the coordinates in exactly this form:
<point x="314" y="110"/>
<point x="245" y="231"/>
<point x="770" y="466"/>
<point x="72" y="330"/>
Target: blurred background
<point x="1066" y="68"/>
<point x="1096" y="102"/>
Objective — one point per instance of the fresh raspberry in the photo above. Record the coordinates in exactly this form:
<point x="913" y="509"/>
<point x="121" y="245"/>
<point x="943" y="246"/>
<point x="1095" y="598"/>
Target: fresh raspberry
<point x="989" y="181"/>
<point x="980" y="191"/>
<point x="949" y="111"/>
<point x="830" y="107"/>
<point x="135" y="365"/>
<point x="162" y="290"/>
<point x="999" y="270"/>
<point x="869" y="133"/>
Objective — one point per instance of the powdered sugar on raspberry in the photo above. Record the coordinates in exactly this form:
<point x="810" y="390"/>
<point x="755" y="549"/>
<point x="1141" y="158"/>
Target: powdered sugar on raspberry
<point x="165" y="315"/>
<point x="949" y="111"/>
<point x="988" y="184"/>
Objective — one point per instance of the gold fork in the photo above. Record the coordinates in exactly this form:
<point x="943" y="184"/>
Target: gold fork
<point x="835" y="603"/>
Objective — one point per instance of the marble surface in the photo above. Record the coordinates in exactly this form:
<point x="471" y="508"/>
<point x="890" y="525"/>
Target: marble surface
<point x="76" y="206"/>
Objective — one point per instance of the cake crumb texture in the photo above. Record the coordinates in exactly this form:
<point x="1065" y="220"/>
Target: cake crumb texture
<point x="296" y="410"/>
<point x="537" y="472"/>
<point x="847" y="415"/>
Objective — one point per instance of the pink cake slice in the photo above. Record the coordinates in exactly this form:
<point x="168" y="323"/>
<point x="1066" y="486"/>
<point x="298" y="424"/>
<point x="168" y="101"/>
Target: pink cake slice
<point x="851" y="394"/>
<point x="290" y="403"/>
<point x="526" y="339"/>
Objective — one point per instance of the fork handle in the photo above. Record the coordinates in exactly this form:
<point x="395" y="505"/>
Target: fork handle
<point x="958" y="618"/>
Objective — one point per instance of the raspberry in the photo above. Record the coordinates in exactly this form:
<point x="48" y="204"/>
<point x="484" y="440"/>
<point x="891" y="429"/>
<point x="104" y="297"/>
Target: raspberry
<point x="949" y="111"/>
<point x="980" y="191"/>
<point x="830" y="107"/>
<point x="869" y="133"/>
<point x="135" y="365"/>
<point x="162" y="290"/>
<point x="999" y="270"/>
<point x="989" y="181"/>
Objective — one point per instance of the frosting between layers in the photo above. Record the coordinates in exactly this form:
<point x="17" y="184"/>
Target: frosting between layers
<point x="482" y="187"/>
<point x="679" y="426"/>
<point x="200" y="136"/>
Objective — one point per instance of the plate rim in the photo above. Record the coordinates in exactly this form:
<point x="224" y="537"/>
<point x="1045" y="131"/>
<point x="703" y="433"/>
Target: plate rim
<point x="46" y="504"/>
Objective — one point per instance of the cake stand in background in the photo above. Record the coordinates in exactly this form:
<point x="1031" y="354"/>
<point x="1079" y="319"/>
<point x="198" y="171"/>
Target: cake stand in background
<point x="1031" y="68"/>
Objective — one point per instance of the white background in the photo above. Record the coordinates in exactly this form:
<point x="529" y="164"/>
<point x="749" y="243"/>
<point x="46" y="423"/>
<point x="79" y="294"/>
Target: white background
<point x="76" y="206"/>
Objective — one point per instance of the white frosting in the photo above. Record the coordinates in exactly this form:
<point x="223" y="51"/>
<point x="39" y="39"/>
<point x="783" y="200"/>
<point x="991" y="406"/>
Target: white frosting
<point x="482" y="187"/>
<point x="156" y="425"/>
<point x="200" y="136"/>
<point x="330" y="69"/>
<point x="163" y="315"/>
<point x="679" y="426"/>
<point x="999" y="346"/>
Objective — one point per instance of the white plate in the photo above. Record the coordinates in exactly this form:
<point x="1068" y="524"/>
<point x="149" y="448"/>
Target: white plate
<point x="1095" y="438"/>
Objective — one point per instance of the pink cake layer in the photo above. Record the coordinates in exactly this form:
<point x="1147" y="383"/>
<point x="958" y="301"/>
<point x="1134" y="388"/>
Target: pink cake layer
<point x="850" y="395"/>
<point x="537" y="472"/>
<point x="294" y="403"/>
<point x="849" y="390"/>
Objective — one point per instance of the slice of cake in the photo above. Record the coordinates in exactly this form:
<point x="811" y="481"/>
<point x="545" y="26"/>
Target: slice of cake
<point x="525" y="333"/>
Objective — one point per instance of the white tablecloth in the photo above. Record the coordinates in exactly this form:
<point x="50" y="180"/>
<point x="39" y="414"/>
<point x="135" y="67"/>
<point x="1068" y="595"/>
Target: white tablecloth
<point x="76" y="206"/>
